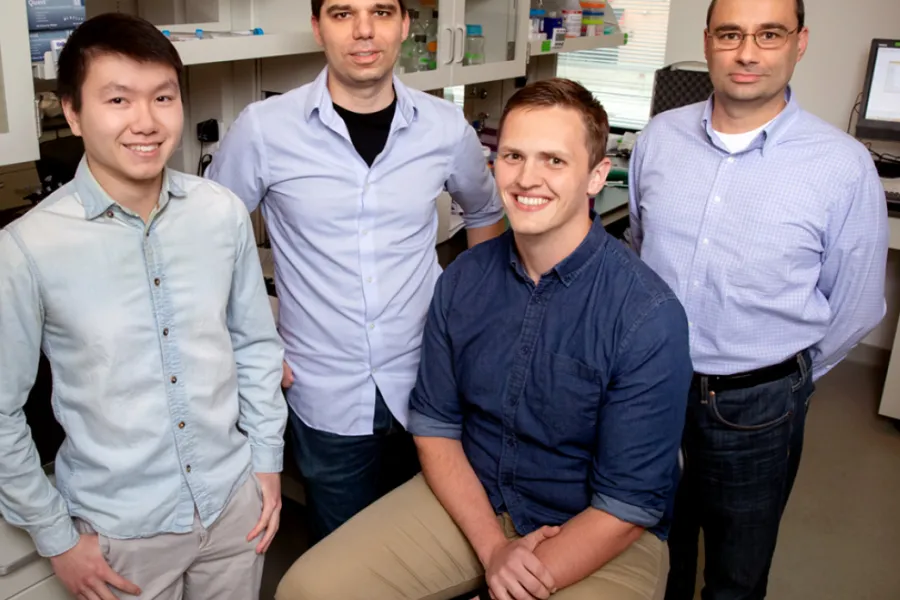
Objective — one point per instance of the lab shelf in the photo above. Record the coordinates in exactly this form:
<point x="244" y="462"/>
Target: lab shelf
<point x="201" y="52"/>
<point x="216" y="50"/>
<point x="581" y="43"/>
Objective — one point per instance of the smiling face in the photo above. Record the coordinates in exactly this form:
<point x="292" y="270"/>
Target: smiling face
<point x="130" y="118"/>
<point x="748" y="73"/>
<point x="544" y="171"/>
<point x="361" y="39"/>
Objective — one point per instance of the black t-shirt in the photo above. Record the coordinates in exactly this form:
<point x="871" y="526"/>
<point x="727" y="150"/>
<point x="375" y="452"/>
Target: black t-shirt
<point x="368" y="131"/>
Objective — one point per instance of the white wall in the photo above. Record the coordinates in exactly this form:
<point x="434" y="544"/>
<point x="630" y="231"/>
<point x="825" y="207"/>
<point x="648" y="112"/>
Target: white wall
<point x="827" y="81"/>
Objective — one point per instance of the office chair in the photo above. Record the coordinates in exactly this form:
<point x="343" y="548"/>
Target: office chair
<point x="680" y="84"/>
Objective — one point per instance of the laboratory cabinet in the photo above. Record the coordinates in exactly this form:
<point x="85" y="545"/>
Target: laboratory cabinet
<point x="247" y="48"/>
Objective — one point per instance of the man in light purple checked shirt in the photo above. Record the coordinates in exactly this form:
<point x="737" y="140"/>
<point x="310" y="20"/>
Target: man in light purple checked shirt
<point x="771" y="228"/>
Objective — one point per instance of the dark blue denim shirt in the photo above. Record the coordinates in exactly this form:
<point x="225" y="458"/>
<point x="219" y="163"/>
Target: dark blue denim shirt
<point x="566" y="394"/>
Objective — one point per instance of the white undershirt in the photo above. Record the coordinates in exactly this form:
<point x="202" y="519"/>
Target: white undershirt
<point x="738" y="142"/>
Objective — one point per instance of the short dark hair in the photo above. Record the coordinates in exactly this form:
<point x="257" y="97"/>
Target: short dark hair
<point x="316" y="7"/>
<point x="110" y="33"/>
<point x="801" y="13"/>
<point x="565" y="93"/>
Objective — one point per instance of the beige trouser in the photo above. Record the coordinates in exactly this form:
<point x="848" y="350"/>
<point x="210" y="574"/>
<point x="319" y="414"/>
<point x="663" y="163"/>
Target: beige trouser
<point x="406" y="546"/>
<point x="216" y="563"/>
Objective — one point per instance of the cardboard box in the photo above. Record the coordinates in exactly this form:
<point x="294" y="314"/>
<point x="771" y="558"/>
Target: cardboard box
<point x="42" y="41"/>
<point x="49" y="15"/>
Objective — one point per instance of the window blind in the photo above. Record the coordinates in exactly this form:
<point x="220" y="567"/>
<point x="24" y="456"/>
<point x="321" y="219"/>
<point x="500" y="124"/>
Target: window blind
<point x="622" y="78"/>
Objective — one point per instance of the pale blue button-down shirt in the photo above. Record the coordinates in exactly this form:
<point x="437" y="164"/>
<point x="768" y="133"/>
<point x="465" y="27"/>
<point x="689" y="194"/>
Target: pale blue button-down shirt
<point x="772" y="250"/>
<point x="355" y="263"/>
<point x="166" y="361"/>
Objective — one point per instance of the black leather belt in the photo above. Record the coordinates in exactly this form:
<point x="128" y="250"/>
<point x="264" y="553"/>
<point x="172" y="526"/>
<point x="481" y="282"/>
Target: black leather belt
<point x="748" y="379"/>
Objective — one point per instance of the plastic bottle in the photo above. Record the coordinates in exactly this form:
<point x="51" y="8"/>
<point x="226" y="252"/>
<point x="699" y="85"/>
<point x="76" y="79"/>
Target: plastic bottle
<point x="474" y="46"/>
<point x="536" y="16"/>
<point x="421" y="57"/>
<point x="407" y="63"/>
<point x="431" y="38"/>
<point x="572" y="14"/>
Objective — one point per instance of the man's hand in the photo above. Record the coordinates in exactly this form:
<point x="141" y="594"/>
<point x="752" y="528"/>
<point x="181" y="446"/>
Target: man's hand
<point x="86" y="574"/>
<point x="515" y="573"/>
<point x="287" y="376"/>
<point x="270" y="483"/>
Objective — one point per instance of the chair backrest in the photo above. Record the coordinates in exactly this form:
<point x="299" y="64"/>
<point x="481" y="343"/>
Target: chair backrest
<point x="680" y="84"/>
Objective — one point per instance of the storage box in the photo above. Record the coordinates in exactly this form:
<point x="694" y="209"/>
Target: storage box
<point x="42" y="41"/>
<point x="47" y="15"/>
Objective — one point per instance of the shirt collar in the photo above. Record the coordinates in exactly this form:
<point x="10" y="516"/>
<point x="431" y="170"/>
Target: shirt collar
<point x="772" y="134"/>
<point x="96" y="201"/>
<point x="573" y="265"/>
<point x="319" y="100"/>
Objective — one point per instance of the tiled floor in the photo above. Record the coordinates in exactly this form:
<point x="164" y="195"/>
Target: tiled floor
<point x="840" y="538"/>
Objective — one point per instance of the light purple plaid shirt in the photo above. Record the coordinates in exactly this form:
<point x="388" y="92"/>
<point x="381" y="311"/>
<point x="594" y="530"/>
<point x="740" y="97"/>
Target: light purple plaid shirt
<point x="772" y="250"/>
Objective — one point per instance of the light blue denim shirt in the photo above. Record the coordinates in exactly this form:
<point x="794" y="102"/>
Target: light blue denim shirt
<point x="354" y="247"/>
<point x="772" y="250"/>
<point x="165" y="358"/>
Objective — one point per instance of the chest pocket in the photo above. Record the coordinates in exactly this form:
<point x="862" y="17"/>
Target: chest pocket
<point x="568" y="400"/>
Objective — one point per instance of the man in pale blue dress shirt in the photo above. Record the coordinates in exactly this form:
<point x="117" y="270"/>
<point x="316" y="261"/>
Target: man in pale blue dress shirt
<point x="771" y="227"/>
<point x="143" y="288"/>
<point x="347" y="170"/>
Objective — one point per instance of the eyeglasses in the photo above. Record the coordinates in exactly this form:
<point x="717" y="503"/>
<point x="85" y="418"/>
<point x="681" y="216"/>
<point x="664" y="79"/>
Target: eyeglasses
<point x="766" y="39"/>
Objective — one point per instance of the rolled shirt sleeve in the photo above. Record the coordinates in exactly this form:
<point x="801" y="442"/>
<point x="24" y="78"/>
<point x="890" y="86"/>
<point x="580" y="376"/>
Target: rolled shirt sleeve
<point x="643" y="418"/>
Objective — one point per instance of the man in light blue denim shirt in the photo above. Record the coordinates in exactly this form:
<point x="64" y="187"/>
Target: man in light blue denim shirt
<point x="143" y="288"/>
<point x="347" y="170"/>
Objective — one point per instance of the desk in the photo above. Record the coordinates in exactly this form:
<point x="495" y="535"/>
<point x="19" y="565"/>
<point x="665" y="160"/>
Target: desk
<point x="890" y="397"/>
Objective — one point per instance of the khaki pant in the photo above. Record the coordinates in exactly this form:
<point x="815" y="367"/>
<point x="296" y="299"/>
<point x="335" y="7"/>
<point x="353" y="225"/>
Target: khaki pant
<point x="406" y="546"/>
<point x="215" y="564"/>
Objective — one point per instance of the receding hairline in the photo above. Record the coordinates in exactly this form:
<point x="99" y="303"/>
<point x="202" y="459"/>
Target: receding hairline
<point x="799" y="13"/>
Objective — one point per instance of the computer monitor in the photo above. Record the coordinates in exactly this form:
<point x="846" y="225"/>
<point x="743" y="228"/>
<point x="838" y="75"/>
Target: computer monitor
<point x="879" y="112"/>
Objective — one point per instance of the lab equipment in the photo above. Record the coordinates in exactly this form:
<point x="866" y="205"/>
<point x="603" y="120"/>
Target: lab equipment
<point x="592" y="17"/>
<point x="474" y="46"/>
<point x="879" y="111"/>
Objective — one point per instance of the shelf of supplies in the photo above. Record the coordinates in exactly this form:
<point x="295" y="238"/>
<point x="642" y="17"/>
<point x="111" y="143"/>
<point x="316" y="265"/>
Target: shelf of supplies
<point x="578" y="44"/>
<point x="215" y="50"/>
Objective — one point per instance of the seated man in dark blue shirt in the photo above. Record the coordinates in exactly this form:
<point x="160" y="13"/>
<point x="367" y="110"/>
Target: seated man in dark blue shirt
<point x="549" y="404"/>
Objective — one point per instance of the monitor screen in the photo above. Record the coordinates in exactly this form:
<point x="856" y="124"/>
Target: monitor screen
<point x="884" y="91"/>
<point x="880" y="109"/>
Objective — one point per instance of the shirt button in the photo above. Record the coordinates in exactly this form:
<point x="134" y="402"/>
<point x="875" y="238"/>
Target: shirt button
<point x="156" y="282"/>
<point x="109" y="214"/>
<point x="718" y="198"/>
<point x="705" y="240"/>
<point x="368" y="280"/>
<point x="730" y="159"/>
<point x="181" y="425"/>
<point x="174" y="379"/>
<point x="188" y="468"/>
<point x="371" y="325"/>
<point x="696" y="283"/>
<point x="523" y="350"/>
<point x="690" y="324"/>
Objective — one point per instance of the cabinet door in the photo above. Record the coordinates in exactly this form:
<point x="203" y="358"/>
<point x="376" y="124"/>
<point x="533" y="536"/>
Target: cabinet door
<point x="441" y="75"/>
<point x="18" y="126"/>
<point x="501" y="51"/>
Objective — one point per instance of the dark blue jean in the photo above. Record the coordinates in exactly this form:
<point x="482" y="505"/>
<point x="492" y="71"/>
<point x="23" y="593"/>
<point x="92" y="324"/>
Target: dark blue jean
<point x="344" y="474"/>
<point x="742" y="451"/>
